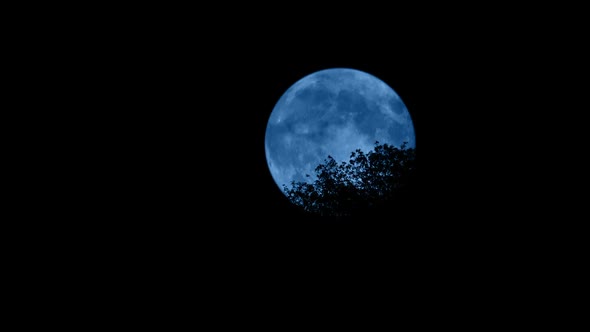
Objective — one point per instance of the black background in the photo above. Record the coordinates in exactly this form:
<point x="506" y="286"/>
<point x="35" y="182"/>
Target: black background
<point x="183" y="116"/>
<point x="152" y="192"/>
<point x="158" y="193"/>
<point x="194" y="120"/>
<point x="174" y="185"/>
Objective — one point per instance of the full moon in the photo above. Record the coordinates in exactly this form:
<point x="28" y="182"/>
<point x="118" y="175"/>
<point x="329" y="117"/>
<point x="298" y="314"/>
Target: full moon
<point x="332" y="112"/>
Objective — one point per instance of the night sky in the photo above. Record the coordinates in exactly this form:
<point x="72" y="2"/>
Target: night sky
<point x="185" y="126"/>
<point x="190" y="122"/>
<point x="193" y="173"/>
<point x="174" y="206"/>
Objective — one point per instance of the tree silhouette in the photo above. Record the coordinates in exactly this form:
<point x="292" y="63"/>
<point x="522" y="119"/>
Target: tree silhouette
<point x="367" y="181"/>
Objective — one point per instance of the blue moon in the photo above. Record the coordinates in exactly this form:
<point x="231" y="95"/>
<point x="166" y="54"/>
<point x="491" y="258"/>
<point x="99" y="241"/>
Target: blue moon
<point x="332" y="112"/>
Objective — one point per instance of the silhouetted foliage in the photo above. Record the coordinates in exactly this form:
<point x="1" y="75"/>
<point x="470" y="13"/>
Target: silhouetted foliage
<point x="366" y="181"/>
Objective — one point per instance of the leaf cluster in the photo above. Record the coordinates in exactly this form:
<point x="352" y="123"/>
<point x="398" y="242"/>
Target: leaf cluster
<point x="365" y="181"/>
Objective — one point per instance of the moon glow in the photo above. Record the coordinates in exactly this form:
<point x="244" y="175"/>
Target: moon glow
<point x="332" y="112"/>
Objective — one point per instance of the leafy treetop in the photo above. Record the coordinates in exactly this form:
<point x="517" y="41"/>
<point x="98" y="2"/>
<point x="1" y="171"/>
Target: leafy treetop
<point x="365" y="181"/>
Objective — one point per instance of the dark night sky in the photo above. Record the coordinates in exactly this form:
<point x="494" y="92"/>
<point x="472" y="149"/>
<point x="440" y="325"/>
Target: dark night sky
<point x="195" y="161"/>
<point x="181" y="195"/>
<point x="193" y="117"/>
<point x="172" y="206"/>
<point x="187" y="113"/>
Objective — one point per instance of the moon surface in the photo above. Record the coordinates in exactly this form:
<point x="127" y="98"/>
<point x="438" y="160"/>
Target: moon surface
<point x="332" y="112"/>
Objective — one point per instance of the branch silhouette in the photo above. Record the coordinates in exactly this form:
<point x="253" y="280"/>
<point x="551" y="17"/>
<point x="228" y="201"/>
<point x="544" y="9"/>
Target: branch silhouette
<point x="366" y="181"/>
